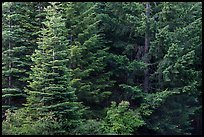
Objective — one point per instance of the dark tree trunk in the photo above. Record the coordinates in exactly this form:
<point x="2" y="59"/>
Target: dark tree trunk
<point x="10" y="65"/>
<point x="146" y="48"/>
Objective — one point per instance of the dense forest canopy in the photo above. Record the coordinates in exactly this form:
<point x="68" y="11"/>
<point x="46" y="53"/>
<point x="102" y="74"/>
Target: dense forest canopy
<point x="101" y="68"/>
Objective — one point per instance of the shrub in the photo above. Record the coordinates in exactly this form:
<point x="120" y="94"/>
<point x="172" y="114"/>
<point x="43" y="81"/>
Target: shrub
<point x="121" y="120"/>
<point x="20" y="122"/>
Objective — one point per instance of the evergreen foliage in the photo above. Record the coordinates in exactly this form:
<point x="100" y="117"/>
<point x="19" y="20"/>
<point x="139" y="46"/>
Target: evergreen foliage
<point x="50" y="90"/>
<point x="19" y="29"/>
<point x="100" y="68"/>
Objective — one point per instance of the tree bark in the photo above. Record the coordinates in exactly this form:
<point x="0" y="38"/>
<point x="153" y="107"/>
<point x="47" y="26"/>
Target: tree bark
<point x="9" y="65"/>
<point x="146" y="48"/>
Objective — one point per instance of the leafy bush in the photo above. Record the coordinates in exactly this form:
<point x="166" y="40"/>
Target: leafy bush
<point x="121" y="120"/>
<point x="89" y="127"/>
<point x="20" y="123"/>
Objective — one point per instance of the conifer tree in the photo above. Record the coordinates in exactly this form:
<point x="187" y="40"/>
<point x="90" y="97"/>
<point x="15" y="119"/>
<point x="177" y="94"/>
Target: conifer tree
<point x="88" y="55"/>
<point x="99" y="54"/>
<point x="19" y="42"/>
<point x="176" y="69"/>
<point x="49" y="89"/>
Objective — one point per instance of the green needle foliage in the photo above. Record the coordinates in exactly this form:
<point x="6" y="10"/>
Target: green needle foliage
<point x="100" y="68"/>
<point x="19" y="27"/>
<point x="49" y="89"/>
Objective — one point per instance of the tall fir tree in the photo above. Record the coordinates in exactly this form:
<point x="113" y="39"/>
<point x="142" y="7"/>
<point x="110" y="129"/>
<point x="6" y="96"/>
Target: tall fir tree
<point x="88" y="56"/>
<point x="18" y="43"/>
<point x="49" y="89"/>
<point x="177" y="70"/>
